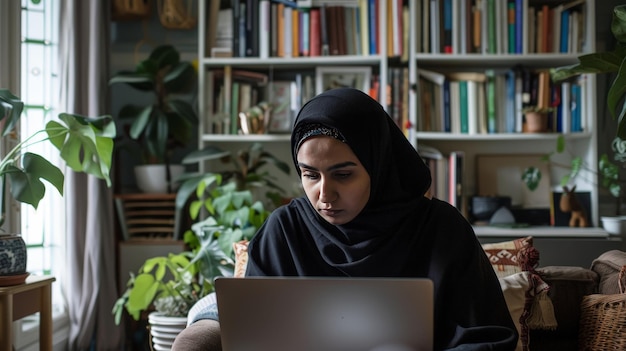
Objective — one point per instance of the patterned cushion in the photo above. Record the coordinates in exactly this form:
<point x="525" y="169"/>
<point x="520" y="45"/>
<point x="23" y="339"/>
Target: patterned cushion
<point x="241" y="258"/>
<point x="510" y="257"/>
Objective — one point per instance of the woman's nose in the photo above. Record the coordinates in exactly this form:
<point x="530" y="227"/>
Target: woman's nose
<point x="327" y="193"/>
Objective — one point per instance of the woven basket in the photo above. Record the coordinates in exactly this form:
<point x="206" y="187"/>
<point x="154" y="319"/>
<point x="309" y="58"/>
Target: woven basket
<point x="603" y="320"/>
<point x="131" y="9"/>
<point x="174" y="14"/>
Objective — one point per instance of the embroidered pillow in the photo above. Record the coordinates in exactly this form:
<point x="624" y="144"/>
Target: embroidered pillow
<point x="510" y="257"/>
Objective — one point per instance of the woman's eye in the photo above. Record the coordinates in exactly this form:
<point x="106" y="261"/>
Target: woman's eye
<point x="342" y="175"/>
<point x="310" y="175"/>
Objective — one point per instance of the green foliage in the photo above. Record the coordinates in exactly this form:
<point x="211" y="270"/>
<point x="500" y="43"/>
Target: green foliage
<point x="606" y="62"/>
<point x="232" y="215"/>
<point x="85" y="144"/>
<point x="247" y="171"/>
<point x="171" y="283"/>
<point x="607" y="171"/>
<point x="169" y="121"/>
<point x="177" y="281"/>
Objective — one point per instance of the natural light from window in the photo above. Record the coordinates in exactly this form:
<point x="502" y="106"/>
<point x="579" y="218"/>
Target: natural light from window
<point x="43" y="229"/>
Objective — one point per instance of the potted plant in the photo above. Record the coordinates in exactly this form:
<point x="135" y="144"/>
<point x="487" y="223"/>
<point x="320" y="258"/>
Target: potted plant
<point x="172" y="284"/>
<point x="167" y="122"/>
<point x="85" y="145"/>
<point x="611" y="178"/>
<point x="536" y="118"/>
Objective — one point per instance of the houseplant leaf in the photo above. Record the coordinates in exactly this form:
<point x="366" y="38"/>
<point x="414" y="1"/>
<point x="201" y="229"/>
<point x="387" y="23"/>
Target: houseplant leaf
<point x="10" y="111"/>
<point x="85" y="143"/>
<point x="26" y="185"/>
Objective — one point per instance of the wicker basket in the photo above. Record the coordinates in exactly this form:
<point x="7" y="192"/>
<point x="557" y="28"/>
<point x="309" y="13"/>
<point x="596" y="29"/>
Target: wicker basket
<point x="603" y="320"/>
<point x="131" y="9"/>
<point x="174" y="14"/>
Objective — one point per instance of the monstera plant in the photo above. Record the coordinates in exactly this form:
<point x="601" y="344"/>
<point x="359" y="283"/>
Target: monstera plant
<point x="85" y="145"/>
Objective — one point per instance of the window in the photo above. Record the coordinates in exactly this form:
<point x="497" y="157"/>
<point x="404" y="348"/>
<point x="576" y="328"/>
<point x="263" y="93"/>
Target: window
<point x="43" y="229"/>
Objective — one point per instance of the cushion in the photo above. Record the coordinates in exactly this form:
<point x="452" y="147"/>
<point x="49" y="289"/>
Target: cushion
<point x="514" y="287"/>
<point x="241" y="258"/>
<point x="526" y="296"/>
<point x="510" y="257"/>
<point x="607" y="266"/>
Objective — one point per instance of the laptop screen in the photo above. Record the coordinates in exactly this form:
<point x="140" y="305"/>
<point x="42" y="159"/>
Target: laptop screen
<point x="325" y="314"/>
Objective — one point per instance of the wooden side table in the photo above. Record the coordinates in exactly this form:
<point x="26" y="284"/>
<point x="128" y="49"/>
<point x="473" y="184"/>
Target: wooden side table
<point x="19" y="301"/>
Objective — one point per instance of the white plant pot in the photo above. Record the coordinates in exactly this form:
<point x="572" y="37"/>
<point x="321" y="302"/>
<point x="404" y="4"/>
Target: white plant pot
<point x="164" y="329"/>
<point x="153" y="178"/>
<point x="614" y="225"/>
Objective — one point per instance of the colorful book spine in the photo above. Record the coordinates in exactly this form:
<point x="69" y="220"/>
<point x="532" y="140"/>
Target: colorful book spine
<point x="519" y="26"/>
<point x="511" y="26"/>
<point x="564" y="39"/>
<point x="447" y="26"/>
<point x="463" y="107"/>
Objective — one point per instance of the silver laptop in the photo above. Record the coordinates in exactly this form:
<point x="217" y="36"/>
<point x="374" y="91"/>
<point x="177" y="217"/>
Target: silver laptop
<point x="325" y="314"/>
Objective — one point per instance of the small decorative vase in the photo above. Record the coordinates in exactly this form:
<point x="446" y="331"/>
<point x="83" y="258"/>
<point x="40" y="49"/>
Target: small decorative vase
<point x="614" y="225"/>
<point x="536" y="122"/>
<point x="153" y="178"/>
<point x="12" y="255"/>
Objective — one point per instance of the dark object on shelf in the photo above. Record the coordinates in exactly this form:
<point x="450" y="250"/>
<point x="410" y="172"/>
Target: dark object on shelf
<point x="483" y="207"/>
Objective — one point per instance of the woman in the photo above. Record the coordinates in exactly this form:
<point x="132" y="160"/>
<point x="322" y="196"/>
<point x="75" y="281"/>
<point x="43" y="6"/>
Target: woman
<point x="365" y="215"/>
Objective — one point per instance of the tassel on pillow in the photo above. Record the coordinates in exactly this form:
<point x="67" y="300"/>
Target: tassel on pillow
<point x="541" y="311"/>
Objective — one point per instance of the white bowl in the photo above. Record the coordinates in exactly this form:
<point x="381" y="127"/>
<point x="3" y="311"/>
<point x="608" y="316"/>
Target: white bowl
<point x="614" y="225"/>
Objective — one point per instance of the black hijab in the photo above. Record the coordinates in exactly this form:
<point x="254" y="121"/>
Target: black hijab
<point x="379" y="241"/>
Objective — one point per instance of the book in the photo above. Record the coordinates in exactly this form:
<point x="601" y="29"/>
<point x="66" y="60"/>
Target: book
<point x="364" y="33"/>
<point x="434" y="27"/>
<point x="315" y="33"/>
<point x="447" y="26"/>
<point x="463" y="109"/>
<point x="455" y="179"/>
<point x="264" y="29"/>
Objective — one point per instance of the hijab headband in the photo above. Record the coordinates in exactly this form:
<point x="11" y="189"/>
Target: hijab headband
<point x="307" y="131"/>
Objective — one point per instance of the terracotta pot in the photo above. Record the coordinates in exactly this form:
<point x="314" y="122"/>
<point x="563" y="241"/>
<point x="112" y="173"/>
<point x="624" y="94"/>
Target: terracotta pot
<point x="536" y="122"/>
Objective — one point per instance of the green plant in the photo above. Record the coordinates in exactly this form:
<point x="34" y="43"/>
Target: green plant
<point x="168" y="122"/>
<point x="607" y="171"/>
<point x="172" y="283"/>
<point x="85" y="144"/>
<point x="233" y="216"/>
<point x="247" y="171"/>
<point x="175" y="282"/>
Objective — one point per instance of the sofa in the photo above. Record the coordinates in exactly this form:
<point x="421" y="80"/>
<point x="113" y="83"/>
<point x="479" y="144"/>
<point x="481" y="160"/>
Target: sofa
<point x="544" y="302"/>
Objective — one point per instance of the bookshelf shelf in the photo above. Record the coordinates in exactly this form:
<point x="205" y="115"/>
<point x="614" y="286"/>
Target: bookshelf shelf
<point x="495" y="60"/>
<point x="432" y="101"/>
<point x="291" y="63"/>
<point x="246" y="138"/>
<point x="542" y="232"/>
<point x="501" y="136"/>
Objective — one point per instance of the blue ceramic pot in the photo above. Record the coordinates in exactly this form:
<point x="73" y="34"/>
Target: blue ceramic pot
<point x="12" y="254"/>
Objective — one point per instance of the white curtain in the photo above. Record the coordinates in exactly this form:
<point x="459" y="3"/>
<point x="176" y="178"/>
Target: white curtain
<point x="91" y="285"/>
<point x="10" y="79"/>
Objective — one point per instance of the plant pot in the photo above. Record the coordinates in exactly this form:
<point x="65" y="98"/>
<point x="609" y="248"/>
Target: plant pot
<point x="153" y="178"/>
<point x="164" y="329"/>
<point x="12" y="259"/>
<point x="615" y="225"/>
<point x="536" y="122"/>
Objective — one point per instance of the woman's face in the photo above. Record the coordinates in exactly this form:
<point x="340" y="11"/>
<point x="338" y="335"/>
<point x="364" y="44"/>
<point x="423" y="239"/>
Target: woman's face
<point x="335" y="182"/>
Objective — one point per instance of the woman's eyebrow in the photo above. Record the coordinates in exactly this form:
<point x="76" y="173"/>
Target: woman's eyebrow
<point x="331" y="168"/>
